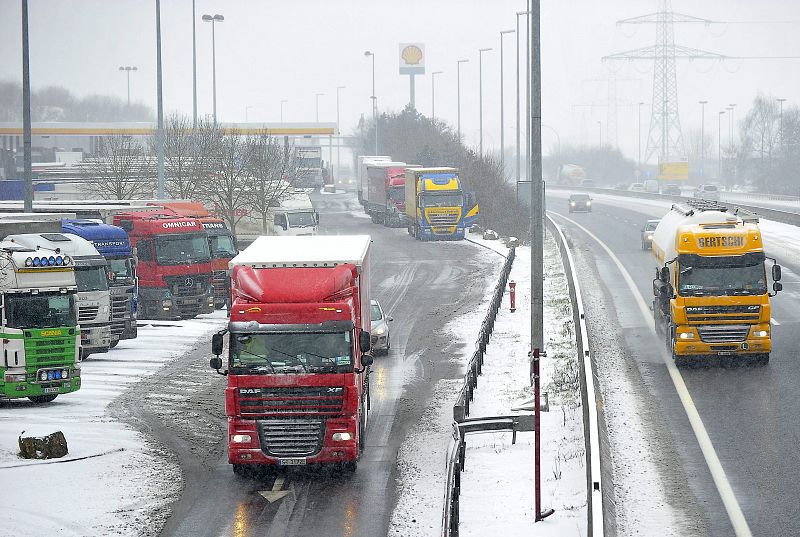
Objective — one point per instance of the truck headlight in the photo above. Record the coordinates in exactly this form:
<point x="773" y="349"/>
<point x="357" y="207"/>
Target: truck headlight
<point x="342" y="437"/>
<point x="649" y="237"/>
<point x="240" y="438"/>
<point x="761" y="333"/>
<point x="588" y="203"/>
<point x="16" y="377"/>
<point x="686" y="335"/>
<point x="572" y="203"/>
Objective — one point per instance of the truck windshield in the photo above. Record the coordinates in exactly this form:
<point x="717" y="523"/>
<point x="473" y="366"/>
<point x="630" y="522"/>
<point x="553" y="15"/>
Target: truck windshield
<point x="180" y="248"/>
<point x="441" y="200"/>
<point x="121" y="268"/>
<point x="291" y="353"/>
<point x="725" y="275"/>
<point x="40" y="311"/>
<point x="304" y="219"/>
<point x="222" y="246"/>
<point x="91" y="279"/>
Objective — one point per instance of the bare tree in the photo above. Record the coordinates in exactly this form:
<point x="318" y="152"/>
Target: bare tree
<point x="224" y="176"/>
<point x="760" y="136"/>
<point x="273" y="170"/>
<point x="179" y="157"/>
<point x="120" y="170"/>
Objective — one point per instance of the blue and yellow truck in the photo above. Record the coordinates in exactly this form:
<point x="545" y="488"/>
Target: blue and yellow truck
<point x="437" y="208"/>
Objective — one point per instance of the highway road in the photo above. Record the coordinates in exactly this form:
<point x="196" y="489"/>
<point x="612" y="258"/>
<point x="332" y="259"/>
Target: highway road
<point x="749" y="413"/>
<point x="423" y="286"/>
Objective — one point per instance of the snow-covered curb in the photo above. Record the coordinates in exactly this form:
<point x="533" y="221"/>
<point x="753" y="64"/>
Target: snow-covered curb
<point x="125" y="484"/>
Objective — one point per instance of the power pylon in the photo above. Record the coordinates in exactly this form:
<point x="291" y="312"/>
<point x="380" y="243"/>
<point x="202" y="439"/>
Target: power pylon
<point x="665" y="136"/>
<point x="612" y="103"/>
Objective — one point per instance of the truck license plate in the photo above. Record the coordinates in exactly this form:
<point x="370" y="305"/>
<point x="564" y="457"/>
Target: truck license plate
<point x="50" y="390"/>
<point x="292" y="462"/>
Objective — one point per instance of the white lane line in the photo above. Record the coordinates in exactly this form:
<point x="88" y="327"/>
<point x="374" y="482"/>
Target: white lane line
<point x="774" y="322"/>
<point x="735" y="514"/>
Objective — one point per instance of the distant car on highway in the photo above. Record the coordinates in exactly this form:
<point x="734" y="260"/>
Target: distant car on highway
<point x="671" y="189"/>
<point x="636" y="187"/>
<point x="647" y="233"/>
<point x="380" y="329"/>
<point x="707" y="192"/>
<point x="580" y="202"/>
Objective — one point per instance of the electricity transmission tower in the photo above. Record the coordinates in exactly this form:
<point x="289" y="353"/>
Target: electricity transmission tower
<point x="665" y="138"/>
<point x="612" y="103"/>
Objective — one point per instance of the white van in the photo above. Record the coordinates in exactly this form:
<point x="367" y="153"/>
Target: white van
<point x="651" y="186"/>
<point x="295" y="216"/>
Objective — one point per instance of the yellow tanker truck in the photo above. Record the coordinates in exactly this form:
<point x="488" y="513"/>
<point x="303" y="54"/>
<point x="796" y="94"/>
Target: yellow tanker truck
<point x="710" y="286"/>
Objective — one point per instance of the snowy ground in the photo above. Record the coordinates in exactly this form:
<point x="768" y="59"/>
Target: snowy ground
<point x="113" y="482"/>
<point x="497" y="487"/>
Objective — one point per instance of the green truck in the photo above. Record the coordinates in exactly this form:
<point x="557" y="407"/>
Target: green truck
<point x="38" y="324"/>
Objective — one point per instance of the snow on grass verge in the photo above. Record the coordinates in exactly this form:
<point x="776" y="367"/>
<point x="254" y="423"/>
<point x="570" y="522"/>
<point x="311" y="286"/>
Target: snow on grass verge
<point x="124" y="483"/>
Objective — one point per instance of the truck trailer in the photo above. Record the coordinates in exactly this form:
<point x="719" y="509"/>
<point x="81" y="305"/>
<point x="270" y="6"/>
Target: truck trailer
<point x="710" y="285"/>
<point x="362" y="180"/>
<point x="39" y="331"/>
<point x="384" y="198"/>
<point x="298" y="372"/>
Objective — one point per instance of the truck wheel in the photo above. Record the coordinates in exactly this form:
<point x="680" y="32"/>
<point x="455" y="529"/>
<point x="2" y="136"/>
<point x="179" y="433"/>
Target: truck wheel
<point x="113" y="343"/>
<point x="39" y="399"/>
<point x="348" y="467"/>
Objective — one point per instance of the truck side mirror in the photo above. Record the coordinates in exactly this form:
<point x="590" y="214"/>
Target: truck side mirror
<point x="777" y="286"/>
<point x="364" y="341"/>
<point x="664" y="274"/>
<point x="316" y="217"/>
<point x="367" y="360"/>
<point x="776" y="272"/>
<point x="215" y="363"/>
<point x="216" y="346"/>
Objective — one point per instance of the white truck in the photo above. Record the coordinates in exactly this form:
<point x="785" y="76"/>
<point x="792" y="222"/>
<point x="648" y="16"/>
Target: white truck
<point x="91" y="275"/>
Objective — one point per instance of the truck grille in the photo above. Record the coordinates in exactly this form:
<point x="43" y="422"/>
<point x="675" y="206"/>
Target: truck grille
<point x="87" y="313"/>
<point x="291" y="437"/>
<point x="314" y="401"/>
<point x="723" y="313"/>
<point x="444" y="217"/>
<point x="49" y="351"/>
<point x="196" y="284"/>
<point x="120" y="310"/>
<point x="723" y="334"/>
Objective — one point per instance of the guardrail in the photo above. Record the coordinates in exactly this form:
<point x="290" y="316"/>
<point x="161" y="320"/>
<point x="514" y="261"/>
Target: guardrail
<point x="455" y="453"/>
<point x="590" y="398"/>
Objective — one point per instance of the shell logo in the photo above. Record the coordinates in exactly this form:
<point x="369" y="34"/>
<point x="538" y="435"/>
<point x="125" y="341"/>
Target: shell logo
<point x="412" y="55"/>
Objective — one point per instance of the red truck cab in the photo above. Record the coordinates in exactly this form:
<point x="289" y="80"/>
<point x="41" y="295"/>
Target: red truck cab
<point x="298" y="375"/>
<point x="385" y="200"/>
<point x="174" y="264"/>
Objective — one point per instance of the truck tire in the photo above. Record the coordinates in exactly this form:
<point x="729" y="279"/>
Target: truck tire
<point x="113" y="343"/>
<point x="348" y="467"/>
<point x="39" y="399"/>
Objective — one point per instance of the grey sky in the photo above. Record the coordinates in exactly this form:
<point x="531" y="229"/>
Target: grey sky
<point x="273" y="50"/>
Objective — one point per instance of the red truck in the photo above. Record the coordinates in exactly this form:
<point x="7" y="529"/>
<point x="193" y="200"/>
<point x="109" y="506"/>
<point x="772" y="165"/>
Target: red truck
<point x="298" y="338"/>
<point x="220" y="241"/>
<point x="174" y="264"/>
<point x="384" y="199"/>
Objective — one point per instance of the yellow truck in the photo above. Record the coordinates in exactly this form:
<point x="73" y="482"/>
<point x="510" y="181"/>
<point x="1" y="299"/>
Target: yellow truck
<point x="437" y="208"/>
<point x="710" y="286"/>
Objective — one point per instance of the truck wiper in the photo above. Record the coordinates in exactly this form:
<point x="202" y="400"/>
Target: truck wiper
<point x="687" y="270"/>
<point x="301" y="364"/>
<point x="269" y="363"/>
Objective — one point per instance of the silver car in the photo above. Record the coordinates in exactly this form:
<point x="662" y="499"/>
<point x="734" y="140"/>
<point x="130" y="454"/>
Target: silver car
<point x="380" y="329"/>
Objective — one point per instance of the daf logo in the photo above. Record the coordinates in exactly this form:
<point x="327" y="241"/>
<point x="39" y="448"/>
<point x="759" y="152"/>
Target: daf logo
<point x="249" y="391"/>
<point x="188" y="282"/>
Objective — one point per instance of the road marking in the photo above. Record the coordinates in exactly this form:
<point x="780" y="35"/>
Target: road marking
<point x="276" y="493"/>
<point x="735" y="514"/>
<point x="774" y="322"/>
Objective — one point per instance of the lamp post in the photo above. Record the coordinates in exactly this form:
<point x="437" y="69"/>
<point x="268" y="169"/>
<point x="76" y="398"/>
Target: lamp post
<point x="283" y="101"/>
<point x="26" y="114"/>
<point x="338" y="132"/>
<point x="127" y="69"/>
<point x="194" y="67"/>
<point x="317" y="96"/>
<point x="159" y="108"/>
<point x="703" y="138"/>
<point x="480" y="98"/>
<point x="719" y="145"/>
<point x="733" y="123"/>
<point x="433" y="93"/>
<point x="502" y="106"/>
<point x="519" y="14"/>
<point x="374" y="99"/>
<point x="213" y="20"/>
<point x="781" y="101"/>
<point x="639" y="138"/>
<point x="458" y="94"/>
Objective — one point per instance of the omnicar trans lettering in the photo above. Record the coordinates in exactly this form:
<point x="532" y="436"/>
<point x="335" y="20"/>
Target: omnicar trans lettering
<point x="711" y="288"/>
<point x="170" y="225"/>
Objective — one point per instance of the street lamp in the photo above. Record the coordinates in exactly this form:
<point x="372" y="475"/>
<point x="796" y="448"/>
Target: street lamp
<point x="719" y="145"/>
<point x="502" y="106"/>
<point x="519" y="14"/>
<point x="128" y="70"/>
<point x="374" y="99"/>
<point x="733" y="124"/>
<point x="194" y="66"/>
<point x="318" y="95"/>
<point x="639" y="138"/>
<point x="338" y="131"/>
<point x="703" y="137"/>
<point x="283" y="101"/>
<point x="480" y="98"/>
<point x="433" y="93"/>
<point x="458" y="93"/>
<point x="160" y="140"/>
<point x="213" y="20"/>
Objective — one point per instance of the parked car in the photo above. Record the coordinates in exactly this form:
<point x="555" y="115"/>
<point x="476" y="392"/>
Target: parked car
<point x="671" y="189"/>
<point x="588" y="183"/>
<point x="651" y="186"/>
<point x="707" y="192"/>
<point x="580" y="202"/>
<point x="380" y="329"/>
<point x="636" y="187"/>
<point x="647" y="233"/>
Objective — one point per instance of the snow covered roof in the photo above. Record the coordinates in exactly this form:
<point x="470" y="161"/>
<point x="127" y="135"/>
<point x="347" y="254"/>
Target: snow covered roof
<point x="304" y="251"/>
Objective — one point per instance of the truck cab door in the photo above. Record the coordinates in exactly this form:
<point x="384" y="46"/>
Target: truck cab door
<point x="471" y="209"/>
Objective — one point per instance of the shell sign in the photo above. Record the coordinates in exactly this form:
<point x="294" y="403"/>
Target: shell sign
<point x="412" y="59"/>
